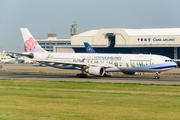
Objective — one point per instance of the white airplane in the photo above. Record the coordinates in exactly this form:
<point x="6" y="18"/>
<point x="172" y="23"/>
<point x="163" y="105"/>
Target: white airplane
<point x="95" y="63"/>
<point x="4" y="57"/>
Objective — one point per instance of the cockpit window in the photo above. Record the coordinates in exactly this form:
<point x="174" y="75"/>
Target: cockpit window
<point x="168" y="60"/>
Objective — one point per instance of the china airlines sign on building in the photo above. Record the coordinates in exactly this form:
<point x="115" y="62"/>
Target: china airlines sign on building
<point x="154" y="39"/>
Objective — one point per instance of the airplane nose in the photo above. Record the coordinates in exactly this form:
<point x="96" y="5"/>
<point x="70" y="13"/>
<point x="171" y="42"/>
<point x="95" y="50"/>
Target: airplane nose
<point x="174" y="64"/>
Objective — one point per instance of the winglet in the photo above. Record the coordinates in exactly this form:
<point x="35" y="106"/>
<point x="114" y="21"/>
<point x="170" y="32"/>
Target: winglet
<point x="30" y="42"/>
<point x="88" y="47"/>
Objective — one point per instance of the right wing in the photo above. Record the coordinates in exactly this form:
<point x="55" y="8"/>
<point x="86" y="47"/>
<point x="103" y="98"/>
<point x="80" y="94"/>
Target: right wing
<point x="77" y="64"/>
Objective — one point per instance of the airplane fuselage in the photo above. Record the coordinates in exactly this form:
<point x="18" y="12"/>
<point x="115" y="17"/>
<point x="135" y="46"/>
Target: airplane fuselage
<point x="121" y="62"/>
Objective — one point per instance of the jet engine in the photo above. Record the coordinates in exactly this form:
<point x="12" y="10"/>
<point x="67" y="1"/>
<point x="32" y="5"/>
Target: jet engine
<point x="99" y="71"/>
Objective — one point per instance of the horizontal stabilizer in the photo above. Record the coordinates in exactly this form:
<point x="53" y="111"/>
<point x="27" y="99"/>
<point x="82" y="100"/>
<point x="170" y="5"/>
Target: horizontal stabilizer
<point x="30" y="55"/>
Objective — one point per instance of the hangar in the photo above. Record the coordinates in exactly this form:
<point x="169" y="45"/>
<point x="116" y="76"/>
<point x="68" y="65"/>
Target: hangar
<point x="162" y="41"/>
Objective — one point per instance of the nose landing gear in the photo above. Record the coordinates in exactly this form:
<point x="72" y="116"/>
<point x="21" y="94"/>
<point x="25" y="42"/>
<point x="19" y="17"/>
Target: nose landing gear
<point x="157" y="75"/>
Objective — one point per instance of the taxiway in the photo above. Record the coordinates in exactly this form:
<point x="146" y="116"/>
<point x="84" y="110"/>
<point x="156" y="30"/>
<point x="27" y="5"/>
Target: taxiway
<point x="24" y="68"/>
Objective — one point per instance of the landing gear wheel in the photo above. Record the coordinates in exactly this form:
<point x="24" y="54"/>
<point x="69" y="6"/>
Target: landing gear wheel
<point x="81" y="75"/>
<point x="85" y="75"/>
<point x="77" y="75"/>
<point x="157" y="77"/>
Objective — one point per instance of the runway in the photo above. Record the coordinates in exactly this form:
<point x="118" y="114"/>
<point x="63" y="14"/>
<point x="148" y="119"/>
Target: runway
<point x="52" y="77"/>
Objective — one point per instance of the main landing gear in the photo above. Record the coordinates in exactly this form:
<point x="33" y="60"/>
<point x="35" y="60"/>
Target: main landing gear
<point x="157" y="75"/>
<point x="81" y="75"/>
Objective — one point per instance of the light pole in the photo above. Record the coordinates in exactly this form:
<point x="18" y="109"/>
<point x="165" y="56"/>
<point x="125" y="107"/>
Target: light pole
<point x="18" y="49"/>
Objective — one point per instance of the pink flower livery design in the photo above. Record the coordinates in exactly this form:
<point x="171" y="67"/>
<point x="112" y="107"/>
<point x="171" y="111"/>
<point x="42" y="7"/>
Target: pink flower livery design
<point x="31" y="44"/>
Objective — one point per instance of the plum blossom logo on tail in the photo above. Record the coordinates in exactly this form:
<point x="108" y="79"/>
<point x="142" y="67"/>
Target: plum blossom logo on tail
<point x="31" y="44"/>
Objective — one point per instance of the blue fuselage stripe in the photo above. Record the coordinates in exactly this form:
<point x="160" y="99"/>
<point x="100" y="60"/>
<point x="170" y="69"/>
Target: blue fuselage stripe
<point x="164" y="67"/>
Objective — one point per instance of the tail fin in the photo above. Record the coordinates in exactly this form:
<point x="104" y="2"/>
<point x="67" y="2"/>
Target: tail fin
<point x="30" y="42"/>
<point x="89" y="49"/>
<point x="12" y="56"/>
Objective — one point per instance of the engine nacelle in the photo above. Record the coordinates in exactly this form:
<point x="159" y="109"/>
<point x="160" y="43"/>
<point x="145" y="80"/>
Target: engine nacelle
<point x="99" y="71"/>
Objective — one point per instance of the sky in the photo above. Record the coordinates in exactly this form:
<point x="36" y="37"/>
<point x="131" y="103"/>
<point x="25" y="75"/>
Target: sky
<point x="47" y="16"/>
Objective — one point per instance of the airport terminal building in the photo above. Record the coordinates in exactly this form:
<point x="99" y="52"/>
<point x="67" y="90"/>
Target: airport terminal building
<point x="164" y="41"/>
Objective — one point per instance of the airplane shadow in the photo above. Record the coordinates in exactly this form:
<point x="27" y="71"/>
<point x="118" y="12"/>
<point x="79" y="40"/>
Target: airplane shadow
<point x="31" y="75"/>
<point x="90" y="78"/>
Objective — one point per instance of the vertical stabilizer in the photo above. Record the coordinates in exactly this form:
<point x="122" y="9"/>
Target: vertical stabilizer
<point x="30" y="43"/>
<point x="89" y="49"/>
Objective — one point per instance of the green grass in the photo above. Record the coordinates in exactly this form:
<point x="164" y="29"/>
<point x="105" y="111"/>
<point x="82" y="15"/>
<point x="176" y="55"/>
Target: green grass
<point x="45" y="100"/>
